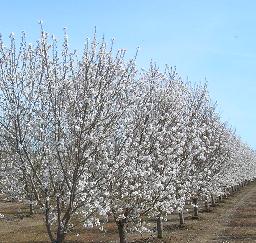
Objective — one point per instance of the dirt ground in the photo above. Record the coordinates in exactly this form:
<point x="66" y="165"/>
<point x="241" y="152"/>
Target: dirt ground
<point x="233" y="220"/>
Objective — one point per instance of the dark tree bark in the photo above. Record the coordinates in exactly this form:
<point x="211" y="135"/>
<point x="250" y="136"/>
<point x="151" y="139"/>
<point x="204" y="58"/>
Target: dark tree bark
<point x="60" y="229"/>
<point x="122" y="230"/>
<point x="31" y="208"/>
<point x="195" y="207"/>
<point x="213" y="203"/>
<point x="233" y="189"/>
<point x="159" y="226"/>
<point x="206" y="205"/>
<point x="60" y="238"/>
<point x="47" y="219"/>
<point x="181" y="217"/>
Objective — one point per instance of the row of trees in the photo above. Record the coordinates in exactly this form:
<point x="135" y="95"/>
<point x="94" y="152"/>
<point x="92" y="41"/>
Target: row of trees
<point x="90" y="137"/>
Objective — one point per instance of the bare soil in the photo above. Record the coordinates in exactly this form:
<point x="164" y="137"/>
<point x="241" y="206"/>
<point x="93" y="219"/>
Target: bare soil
<point x="233" y="220"/>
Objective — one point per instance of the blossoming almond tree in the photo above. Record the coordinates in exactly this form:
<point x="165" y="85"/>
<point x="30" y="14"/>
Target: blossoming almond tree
<point x="56" y="113"/>
<point x="169" y="141"/>
<point x="131" y="173"/>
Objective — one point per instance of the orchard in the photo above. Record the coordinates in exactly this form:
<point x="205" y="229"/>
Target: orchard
<point x="92" y="137"/>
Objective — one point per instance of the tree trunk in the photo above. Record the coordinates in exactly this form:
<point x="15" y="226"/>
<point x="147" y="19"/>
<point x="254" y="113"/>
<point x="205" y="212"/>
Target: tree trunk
<point x="181" y="216"/>
<point x="233" y="189"/>
<point x="230" y="190"/>
<point x="159" y="226"/>
<point x="206" y="205"/>
<point x="47" y="220"/>
<point x="213" y="203"/>
<point x="195" y="207"/>
<point x="122" y="231"/>
<point x="31" y="209"/>
<point x="60" y="229"/>
<point x="60" y="237"/>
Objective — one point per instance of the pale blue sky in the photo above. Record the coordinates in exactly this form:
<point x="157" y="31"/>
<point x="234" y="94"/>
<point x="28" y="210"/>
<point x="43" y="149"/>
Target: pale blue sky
<point x="212" y="39"/>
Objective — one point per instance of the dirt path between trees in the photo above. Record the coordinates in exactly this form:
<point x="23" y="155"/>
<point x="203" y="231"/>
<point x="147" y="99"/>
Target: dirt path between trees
<point x="239" y="222"/>
<point x="234" y="220"/>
